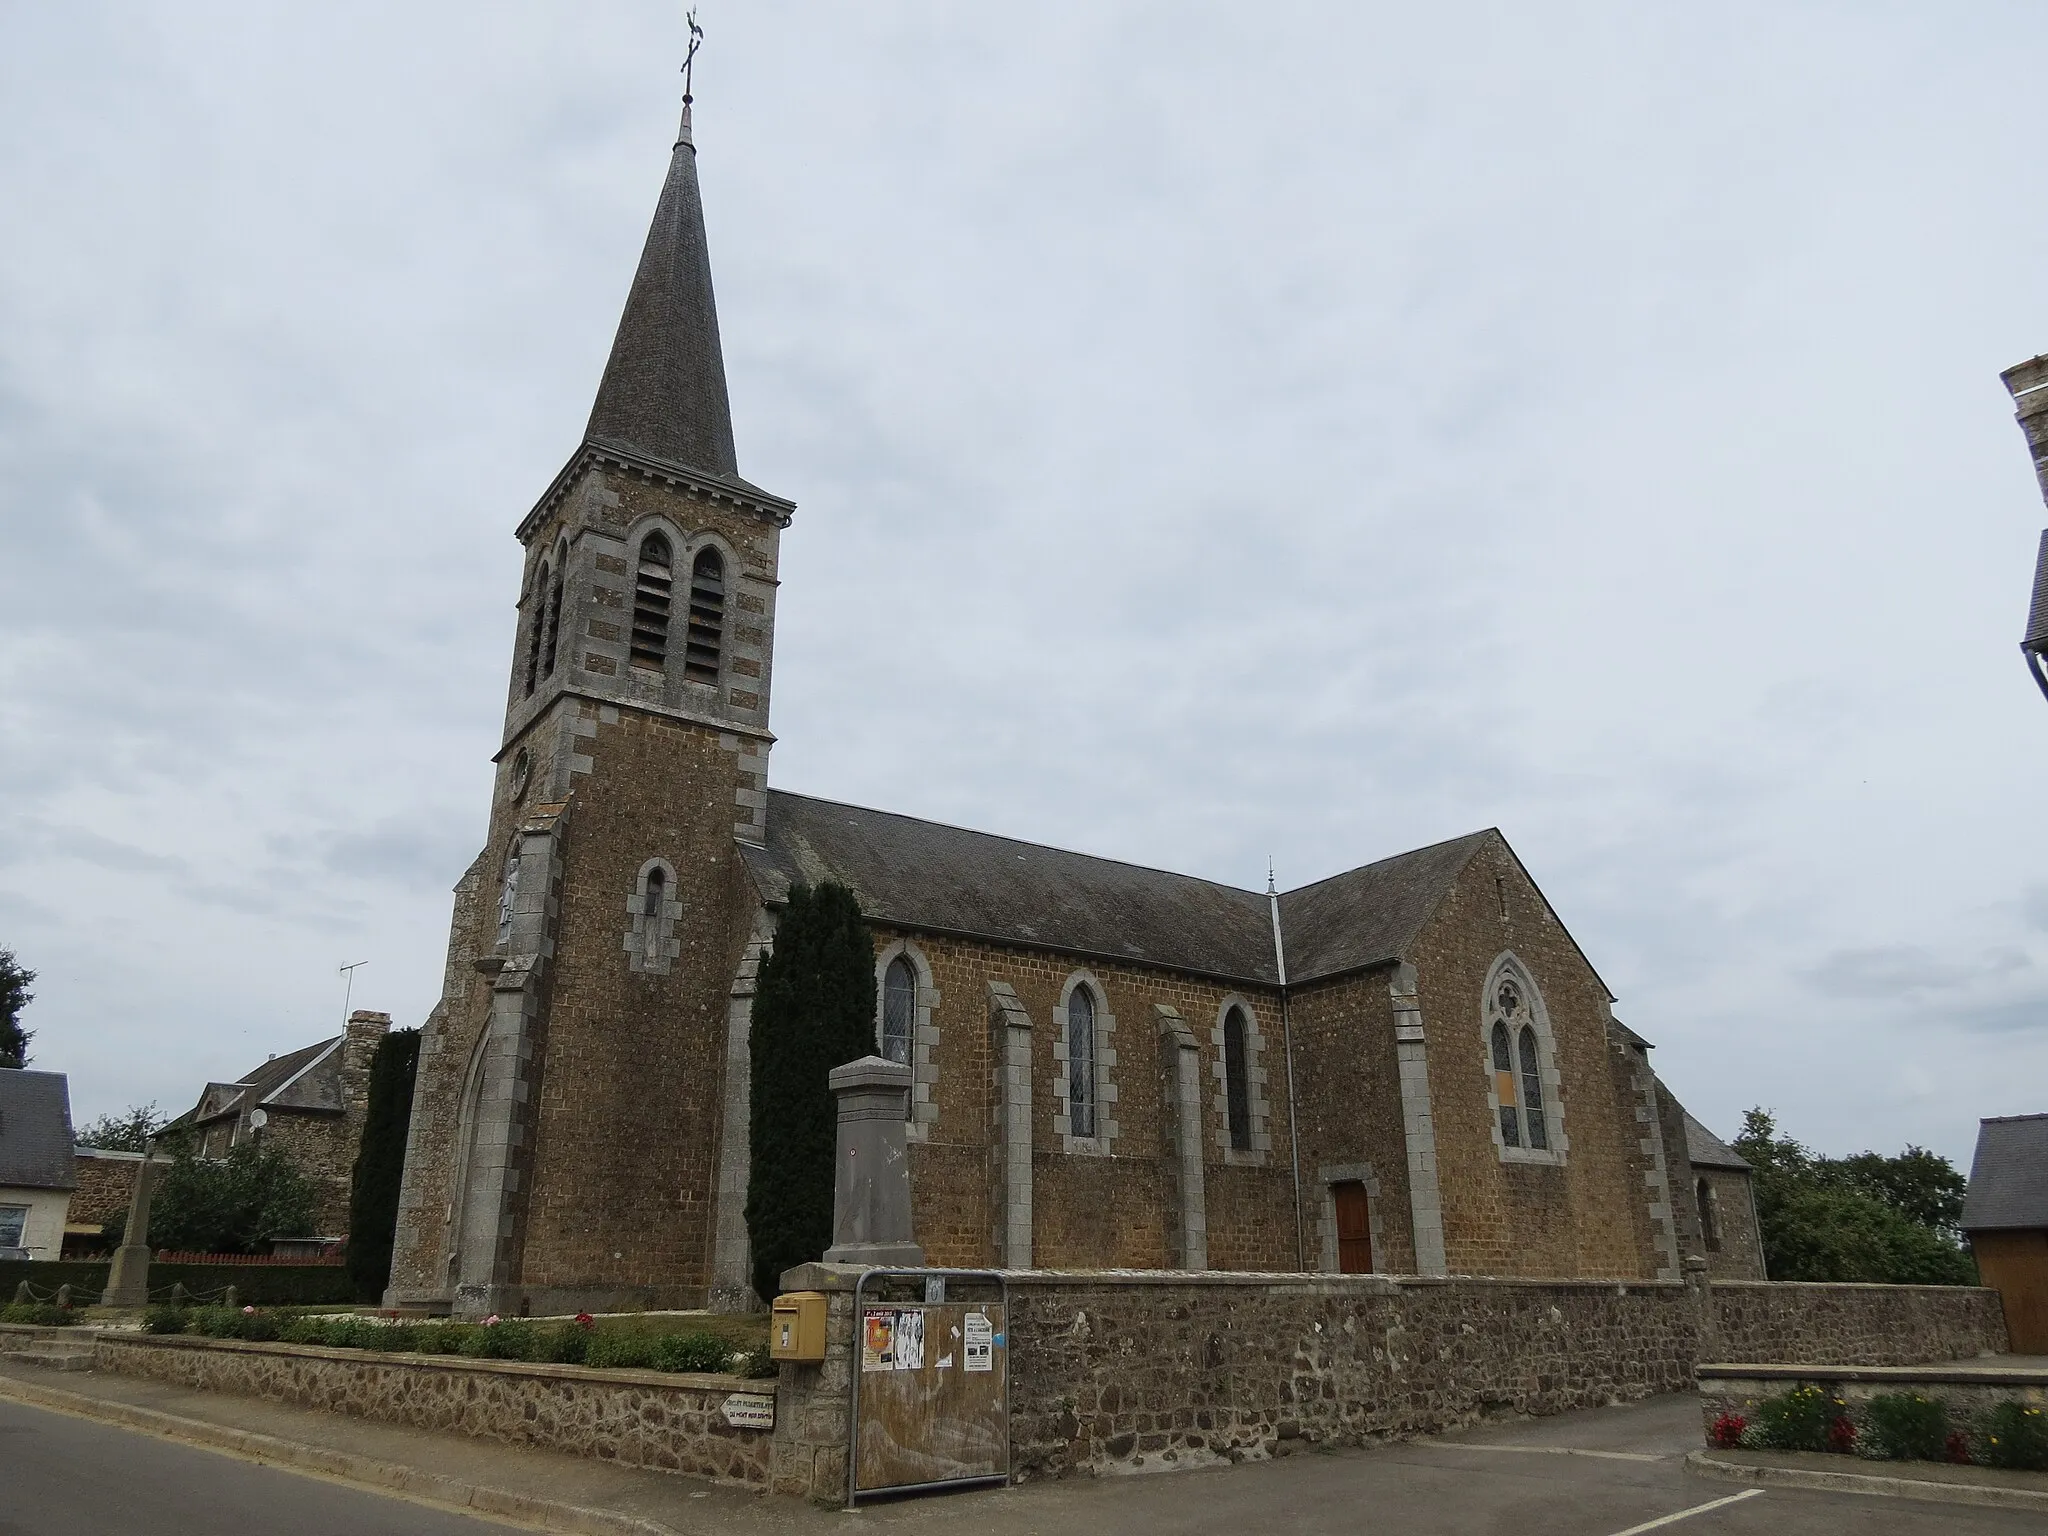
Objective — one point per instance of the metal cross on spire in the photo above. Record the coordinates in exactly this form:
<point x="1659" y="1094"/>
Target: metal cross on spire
<point x="690" y="58"/>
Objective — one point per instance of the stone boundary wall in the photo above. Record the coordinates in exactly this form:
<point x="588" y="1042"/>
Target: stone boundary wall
<point x="1113" y="1372"/>
<point x="1969" y="1394"/>
<point x="1787" y="1323"/>
<point x="672" y="1423"/>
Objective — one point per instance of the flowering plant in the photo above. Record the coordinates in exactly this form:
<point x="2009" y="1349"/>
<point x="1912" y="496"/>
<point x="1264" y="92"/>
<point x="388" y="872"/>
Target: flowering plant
<point x="491" y="1321"/>
<point x="1727" y="1431"/>
<point x="585" y="1321"/>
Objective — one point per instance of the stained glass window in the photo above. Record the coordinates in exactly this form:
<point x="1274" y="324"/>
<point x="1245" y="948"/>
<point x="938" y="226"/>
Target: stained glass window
<point x="1081" y="1062"/>
<point x="1504" y="1085"/>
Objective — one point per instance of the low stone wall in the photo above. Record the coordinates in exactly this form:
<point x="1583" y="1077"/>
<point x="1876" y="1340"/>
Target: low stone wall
<point x="1970" y="1392"/>
<point x="1792" y="1324"/>
<point x="673" y="1423"/>
<point x="1112" y="1371"/>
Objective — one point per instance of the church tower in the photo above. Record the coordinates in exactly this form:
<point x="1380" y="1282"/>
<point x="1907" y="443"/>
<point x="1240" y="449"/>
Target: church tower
<point x="564" y="1150"/>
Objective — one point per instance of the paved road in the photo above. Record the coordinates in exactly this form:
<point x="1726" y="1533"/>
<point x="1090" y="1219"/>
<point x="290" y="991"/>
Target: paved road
<point x="65" y="1476"/>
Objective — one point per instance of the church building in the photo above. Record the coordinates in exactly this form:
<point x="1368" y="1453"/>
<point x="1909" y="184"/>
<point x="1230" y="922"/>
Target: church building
<point x="1408" y="1068"/>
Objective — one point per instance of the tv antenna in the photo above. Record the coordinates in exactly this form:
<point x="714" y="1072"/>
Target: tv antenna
<point x="348" y="991"/>
<point x="690" y="58"/>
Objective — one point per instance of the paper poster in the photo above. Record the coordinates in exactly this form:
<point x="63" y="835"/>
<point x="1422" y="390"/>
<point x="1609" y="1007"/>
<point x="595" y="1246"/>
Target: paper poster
<point x="979" y="1354"/>
<point x="877" y="1342"/>
<point x="909" y="1341"/>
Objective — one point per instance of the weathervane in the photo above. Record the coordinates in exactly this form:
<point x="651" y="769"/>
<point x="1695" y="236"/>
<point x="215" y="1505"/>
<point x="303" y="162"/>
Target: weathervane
<point x="690" y="58"/>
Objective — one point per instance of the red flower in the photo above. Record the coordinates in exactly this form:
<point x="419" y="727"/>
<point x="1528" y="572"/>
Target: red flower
<point x="1727" y="1431"/>
<point x="1959" y="1447"/>
<point x="1841" y="1436"/>
<point x="585" y="1321"/>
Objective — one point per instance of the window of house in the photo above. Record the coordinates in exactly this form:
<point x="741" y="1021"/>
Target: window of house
<point x="1081" y="1084"/>
<point x="707" y="617"/>
<point x="899" y="1009"/>
<point x="537" y="634"/>
<point x="652" y="584"/>
<point x="13" y="1225"/>
<point x="1237" y="1087"/>
<point x="1710" y="1215"/>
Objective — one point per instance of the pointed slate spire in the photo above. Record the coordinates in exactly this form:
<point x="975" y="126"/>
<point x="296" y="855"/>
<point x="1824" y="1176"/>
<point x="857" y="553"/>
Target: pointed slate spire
<point x="663" y="391"/>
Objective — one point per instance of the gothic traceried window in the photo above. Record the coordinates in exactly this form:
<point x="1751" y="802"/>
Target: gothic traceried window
<point x="1081" y="1071"/>
<point x="652" y="584"/>
<point x="1518" y="1048"/>
<point x="1237" y="1088"/>
<point x="899" y="1009"/>
<point x="707" y="617"/>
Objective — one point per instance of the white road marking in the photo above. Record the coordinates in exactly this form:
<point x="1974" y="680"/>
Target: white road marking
<point x="1687" y="1514"/>
<point x="1536" y="1450"/>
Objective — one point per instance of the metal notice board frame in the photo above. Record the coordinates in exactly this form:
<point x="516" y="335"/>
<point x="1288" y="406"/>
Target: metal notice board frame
<point x="935" y="1303"/>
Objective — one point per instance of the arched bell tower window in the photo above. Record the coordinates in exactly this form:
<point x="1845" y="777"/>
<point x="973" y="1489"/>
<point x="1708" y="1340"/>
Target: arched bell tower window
<point x="707" y="617"/>
<point x="899" y="1010"/>
<point x="554" y="624"/>
<point x="536" y="637"/>
<point x="652" y="584"/>
<point x="1523" y="1080"/>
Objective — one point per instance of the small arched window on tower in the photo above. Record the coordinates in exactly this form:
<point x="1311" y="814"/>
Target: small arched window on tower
<point x="657" y="892"/>
<point x="707" y="617"/>
<point x="899" y="1010"/>
<point x="554" y="626"/>
<point x="652" y="584"/>
<point x="536" y="636"/>
<point x="1081" y="1086"/>
<point x="1237" y="1083"/>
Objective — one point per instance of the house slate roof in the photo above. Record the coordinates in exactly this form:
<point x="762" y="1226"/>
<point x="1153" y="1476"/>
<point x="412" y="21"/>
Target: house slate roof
<point x="306" y="1079"/>
<point x="1708" y="1150"/>
<point x="35" y="1130"/>
<point x="2009" y="1175"/>
<point x="911" y="873"/>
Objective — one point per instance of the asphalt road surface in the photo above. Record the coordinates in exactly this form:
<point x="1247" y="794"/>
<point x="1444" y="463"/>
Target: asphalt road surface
<point x="65" y="1476"/>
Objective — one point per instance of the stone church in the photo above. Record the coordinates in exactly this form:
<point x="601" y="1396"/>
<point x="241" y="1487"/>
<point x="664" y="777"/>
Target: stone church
<point x="1410" y="1067"/>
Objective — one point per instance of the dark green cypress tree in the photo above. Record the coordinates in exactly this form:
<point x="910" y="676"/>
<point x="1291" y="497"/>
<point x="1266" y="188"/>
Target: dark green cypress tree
<point x="814" y="1009"/>
<point x="380" y="1162"/>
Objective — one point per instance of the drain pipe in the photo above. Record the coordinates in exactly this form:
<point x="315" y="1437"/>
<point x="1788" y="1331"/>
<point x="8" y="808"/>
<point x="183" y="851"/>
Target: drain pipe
<point x="1287" y="1049"/>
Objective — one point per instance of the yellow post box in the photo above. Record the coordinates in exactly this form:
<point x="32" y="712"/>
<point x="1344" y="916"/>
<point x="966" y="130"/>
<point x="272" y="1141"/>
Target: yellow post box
<point x="796" y="1326"/>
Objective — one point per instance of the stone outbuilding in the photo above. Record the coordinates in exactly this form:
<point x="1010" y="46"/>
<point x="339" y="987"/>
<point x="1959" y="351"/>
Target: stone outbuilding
<point x="36" y="1173"/>
<point x="307" y="1103"/>
<point x="2005" y="1216"/>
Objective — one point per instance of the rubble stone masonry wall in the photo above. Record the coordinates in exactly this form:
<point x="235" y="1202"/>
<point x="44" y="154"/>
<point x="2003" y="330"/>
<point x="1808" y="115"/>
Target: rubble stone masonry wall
<point x="1785" y="1323"/>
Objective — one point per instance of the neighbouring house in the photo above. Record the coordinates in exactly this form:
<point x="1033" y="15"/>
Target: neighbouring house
<point x="307" y="1103"/>
<point x="2005" y="1216"/>
<point x="36" y="1173"/>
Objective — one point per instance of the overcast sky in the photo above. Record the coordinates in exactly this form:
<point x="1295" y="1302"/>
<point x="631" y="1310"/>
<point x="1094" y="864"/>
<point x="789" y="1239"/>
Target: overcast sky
<point x="1218" y="432"/>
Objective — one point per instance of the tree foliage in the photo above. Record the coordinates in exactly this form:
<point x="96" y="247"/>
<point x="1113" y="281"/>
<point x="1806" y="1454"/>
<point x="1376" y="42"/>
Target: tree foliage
<point x="233" y="1204"/>
<point x="814" y="1009"/>
<point x="1868" y="1217"/>
<point x="128" y="1131"/>
<point x="14" y="997"/>
<point x="380" y="1162"/>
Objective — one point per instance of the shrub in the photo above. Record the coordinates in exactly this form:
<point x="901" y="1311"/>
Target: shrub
<point x="1904" y="1426"/>
<point x="569" y="1345"/>
<point x="441" y="1338"/>
<point x="502" y="1341"/>
<point x="1726" y="1432"/>
<point x="380" y="1162"/>
<point x="2016" y="1436"/>
<point x="620" y="1351"/>
<point x="38" y="1314"/>
<point x="691" y="1352"/>
<point x="1802" y="1419"/>
<point x="165" y="1319"/>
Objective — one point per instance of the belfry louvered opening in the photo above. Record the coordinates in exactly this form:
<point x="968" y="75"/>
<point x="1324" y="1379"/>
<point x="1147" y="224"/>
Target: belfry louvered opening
<point x="653" y="583"/>
<point x="537" y="628"/>
<point x="707" y="618"/>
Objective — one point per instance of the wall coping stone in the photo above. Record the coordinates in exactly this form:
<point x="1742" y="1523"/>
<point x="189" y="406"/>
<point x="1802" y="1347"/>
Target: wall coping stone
<point x="699" y="1381"/>
<point x="1990" y="1374"/>
<point x="842" y="1277"/>
<point x="1842" y="1285"/>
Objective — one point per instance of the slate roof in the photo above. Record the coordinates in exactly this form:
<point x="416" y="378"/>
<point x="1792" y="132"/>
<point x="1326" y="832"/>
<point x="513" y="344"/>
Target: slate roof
<point x="912" y="873"/>
<point x="2009" y="1175"/>
<point x="308" y="1079"/>
<point x="663" y="391"/>
<point x="35" y="1131"/>
<point x="1708" y="1150"/>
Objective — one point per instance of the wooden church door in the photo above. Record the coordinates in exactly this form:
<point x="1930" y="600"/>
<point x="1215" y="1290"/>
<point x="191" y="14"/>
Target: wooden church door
<point x="1354" y="1228"/>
